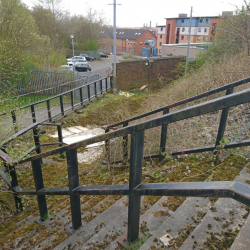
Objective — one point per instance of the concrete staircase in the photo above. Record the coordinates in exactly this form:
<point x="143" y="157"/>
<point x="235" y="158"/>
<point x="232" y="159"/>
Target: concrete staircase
<point x="196" y="223"/>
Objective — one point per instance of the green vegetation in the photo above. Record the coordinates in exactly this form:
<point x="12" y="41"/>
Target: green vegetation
<point x="214" y="68"/>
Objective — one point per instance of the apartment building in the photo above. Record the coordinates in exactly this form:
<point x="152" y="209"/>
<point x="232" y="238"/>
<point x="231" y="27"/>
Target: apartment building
<point x="127" y="40"/>
<point x="161" y="37"/>
<point x="202" y="29"/>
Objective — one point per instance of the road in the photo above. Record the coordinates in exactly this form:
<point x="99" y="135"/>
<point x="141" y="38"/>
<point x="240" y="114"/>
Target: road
<point x="104" y="62"/>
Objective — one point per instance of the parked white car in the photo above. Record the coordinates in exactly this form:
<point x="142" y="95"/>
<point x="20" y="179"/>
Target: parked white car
<point x="66" y="68"/>
<point x="77" y="60"/>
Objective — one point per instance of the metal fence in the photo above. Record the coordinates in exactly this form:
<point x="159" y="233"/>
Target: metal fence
<point x="135" y="189"/>
<point x="46" y="82"/>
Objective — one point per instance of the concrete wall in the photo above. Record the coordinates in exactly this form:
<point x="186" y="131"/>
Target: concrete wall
<point x="179" y="51"/>
<point x="134" y="73"/>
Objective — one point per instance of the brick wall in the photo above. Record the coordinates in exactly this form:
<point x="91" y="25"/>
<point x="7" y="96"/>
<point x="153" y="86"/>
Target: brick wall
<point x="134" y="73"/>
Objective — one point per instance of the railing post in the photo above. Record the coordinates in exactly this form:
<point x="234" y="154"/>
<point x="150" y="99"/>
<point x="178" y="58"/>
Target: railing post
<point x="49" y="111"/>
<point x="35" y="131"/>
<point x="60" y="137"/>
<point x="95" y="89"/>
<point x="14" y="120"/>
<point x="135" y="178"/>
<point x="223" y="122"/>
<point x="125" y="143"/>
<point x="15" y="187"/>
<point x="101" y="87"/>
<point x="72" y="99"/>
<point x="164" y="129"/>
<point x="38" y="179"/>
<point x="33" y="113"/>
<point x="89" y="93"/>
<point x="61" y="104"/>
<point x="111" y="82"/>
<point x="81" y="98"/>
<point x="106" y="84"/>
<point x="73" y="177"/>
<point x="107" y="149"/>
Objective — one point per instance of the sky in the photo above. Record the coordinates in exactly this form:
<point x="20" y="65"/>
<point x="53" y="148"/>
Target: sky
<point x="134" y="13"/>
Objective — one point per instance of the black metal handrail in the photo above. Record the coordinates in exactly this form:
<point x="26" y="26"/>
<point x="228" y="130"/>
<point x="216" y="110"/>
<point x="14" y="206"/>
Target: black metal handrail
<point x="135" y="188"/>
<point x="35" y="124"/>
<point x="166" y="109"/>
<point x="66" y="93"/>
<point x="190" y="99"/>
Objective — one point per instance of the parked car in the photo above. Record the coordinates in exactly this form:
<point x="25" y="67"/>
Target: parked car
<point x="71" y="63"/>
<point x="66" y="68"/>
<point x="78" y="57"/>
<point x="82" y="67"/>
<point x="103" y="55"/>
<point x="88" y="58"/>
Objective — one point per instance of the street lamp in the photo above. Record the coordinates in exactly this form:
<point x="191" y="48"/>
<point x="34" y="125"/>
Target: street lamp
<point x="114" y="45"/>
<point x="72" y="37"/>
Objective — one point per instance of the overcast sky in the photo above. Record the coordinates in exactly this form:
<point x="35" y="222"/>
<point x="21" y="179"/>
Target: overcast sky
<point x="134" y="13"/>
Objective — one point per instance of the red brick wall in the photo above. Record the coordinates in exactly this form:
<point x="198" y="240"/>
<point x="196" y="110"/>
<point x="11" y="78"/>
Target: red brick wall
<point x="134" y="73"/>
<point x="172" y="35"/>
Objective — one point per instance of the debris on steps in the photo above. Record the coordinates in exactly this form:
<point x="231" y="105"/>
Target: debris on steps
<point x="94" y="226"/>
<point x="53" y="238"/>
<point x="181" y="222"/>
<point x="221" y="225"/>
<point x="242" y="241"/>
<point x="108" y="236"/>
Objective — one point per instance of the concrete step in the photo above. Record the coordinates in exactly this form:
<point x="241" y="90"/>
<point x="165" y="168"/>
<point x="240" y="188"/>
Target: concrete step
<point x="242" y="241"/>
<point x="57" y="232"/>
<point x="221" y="225"/>
<point x="108" y="235"/>
<point x="180" y="222"/>
<point x="150" y="220"/>
<point x="94" y="226"/>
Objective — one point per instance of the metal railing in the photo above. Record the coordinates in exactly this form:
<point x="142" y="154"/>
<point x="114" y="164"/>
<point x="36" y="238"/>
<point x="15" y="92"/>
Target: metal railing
<point x="46" y="82"/>
<point x="93" y="90"/>
<point x="104" y="85"/>
<point x="167" y="109"/>
<point x="135" y="189"/>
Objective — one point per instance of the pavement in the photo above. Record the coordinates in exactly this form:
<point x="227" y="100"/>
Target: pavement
<point x="104" y="62"/>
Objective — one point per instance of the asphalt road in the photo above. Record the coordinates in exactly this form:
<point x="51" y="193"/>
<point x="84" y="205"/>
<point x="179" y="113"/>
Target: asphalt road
<point x="104" y="62"/>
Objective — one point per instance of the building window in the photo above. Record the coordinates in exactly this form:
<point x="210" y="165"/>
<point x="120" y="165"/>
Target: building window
<point x="161" y="29"/>
<point x="140" y="43"/>
<point x="198" y="38"/>
<point x="159" y="50"/>
<point x="183" y="29"/>
<point x="200" y="20"/>
<point x="160" y="36"/>
<point x="204" y="38"/>
<point x="205" y="30"/>
<point x="160" y="43"/>
<point x="182" y="20"/>
<point x="134" y="43"/>
<point x="206" y="20"/>
<point x="182" y="37"/>
<point x="130" y="42"/>
<point x="199" y="30"/>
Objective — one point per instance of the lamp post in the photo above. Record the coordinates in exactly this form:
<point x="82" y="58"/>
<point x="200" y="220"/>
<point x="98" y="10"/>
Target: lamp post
<point x="114" y="46"/>
<point x="189" y="32"/>
<point x="72" y="37"/>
